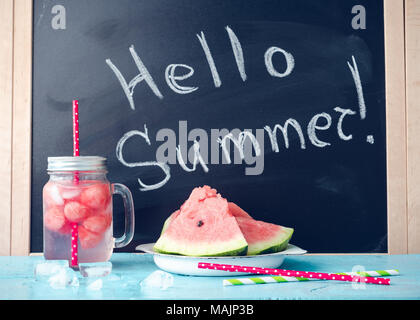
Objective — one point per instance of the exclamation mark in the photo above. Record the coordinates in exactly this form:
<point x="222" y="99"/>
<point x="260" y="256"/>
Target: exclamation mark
<point x="358" y="84"/>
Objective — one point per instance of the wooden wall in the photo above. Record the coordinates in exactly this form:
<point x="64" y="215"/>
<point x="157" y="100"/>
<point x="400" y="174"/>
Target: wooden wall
<point x="412" y="56"/>
<point x="402" y="41"/>
<point x="6" y="102"/>
<point x="15" y="120"/>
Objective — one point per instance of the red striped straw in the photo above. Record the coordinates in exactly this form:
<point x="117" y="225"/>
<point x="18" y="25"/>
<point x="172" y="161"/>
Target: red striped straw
<point x="74" y="227"/>
<point x="292" y="273"/>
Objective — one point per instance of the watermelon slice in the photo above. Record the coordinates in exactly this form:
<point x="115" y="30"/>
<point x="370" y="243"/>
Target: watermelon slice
<point x="206" y="225"/>
<point x="202" y="227"/>
<point x="236" y="211"/>
<point x="263" y="237"/>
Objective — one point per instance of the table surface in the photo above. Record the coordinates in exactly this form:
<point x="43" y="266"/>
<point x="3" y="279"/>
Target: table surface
<point x="17" y="281"/>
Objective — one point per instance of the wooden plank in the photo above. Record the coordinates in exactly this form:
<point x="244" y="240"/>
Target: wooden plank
<point x="21" y="133"/>
<point x="412" y="26"/>
<point x="396" y="126"/>
<point x="6" y="96"/>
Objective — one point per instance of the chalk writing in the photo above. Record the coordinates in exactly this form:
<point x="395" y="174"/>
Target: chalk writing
<point x="248" y="147"/>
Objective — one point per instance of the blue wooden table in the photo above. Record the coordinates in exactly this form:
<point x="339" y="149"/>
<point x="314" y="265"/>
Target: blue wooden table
<point x="129" y="269"/>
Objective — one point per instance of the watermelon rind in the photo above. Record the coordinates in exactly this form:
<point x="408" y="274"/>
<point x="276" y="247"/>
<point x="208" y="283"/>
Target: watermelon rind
<point x="235" y="247"/>
<point x="275" y="244"/>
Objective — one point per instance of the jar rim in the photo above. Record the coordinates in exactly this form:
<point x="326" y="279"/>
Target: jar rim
<point x="80" y="163"/>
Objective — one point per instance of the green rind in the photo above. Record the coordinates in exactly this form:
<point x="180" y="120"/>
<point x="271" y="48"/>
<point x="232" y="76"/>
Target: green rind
<point x="277" y="247"/>
<point x="238" y="252"/>
<point x="166" y="224"/>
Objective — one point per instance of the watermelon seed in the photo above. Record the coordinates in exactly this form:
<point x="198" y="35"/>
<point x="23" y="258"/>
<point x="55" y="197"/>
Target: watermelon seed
<point x="200" y="223"/>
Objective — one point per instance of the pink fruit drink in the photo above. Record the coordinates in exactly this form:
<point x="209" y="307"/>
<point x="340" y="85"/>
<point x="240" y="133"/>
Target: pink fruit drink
<point x="85" y="202"/>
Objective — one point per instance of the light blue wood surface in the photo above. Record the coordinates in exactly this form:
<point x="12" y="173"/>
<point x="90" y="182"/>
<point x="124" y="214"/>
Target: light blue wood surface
<point x="17" y="281"/>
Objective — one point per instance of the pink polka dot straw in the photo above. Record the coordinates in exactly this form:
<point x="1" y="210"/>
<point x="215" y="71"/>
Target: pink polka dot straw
<point x="74" y="227"/>
<point x="293" y="273"/>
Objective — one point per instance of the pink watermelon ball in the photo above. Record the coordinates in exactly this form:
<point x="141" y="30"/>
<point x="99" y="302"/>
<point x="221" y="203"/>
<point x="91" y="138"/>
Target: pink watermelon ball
<point x="88" y="239"/>
<point x="75" y="212"/>
<point x="54" y="218"/>
<point x="106" y="214"/>
<point x="97" y="224"/>
<point x="66" y="229"/>
<point x="96" y="196"/>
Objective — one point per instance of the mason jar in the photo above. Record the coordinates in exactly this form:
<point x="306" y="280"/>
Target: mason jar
<point x="77" y="211"/>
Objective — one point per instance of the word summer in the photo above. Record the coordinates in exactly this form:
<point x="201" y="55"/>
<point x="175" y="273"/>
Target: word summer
<point x="248" y="147"/>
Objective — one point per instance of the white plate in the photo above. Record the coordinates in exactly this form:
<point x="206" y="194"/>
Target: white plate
<point x="187" y="265"/>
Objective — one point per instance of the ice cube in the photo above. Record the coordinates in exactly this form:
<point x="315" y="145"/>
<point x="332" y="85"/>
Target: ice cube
<point x="54" y="193"/>
<point x="65" y="277"/>
<point x="70" y="193"/>
<point x="96" y="269"/>
<point x="95" y="285"/>
<point x="113" y="277"/>
<point x="47" y="268"/>
<point x="158" y="279"/>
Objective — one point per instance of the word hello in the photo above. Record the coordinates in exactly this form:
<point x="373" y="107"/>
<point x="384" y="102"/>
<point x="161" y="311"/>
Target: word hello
<point x="174" y="76"/>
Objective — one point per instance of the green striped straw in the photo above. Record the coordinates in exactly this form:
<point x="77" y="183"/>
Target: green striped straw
<point x="276" y="279"/>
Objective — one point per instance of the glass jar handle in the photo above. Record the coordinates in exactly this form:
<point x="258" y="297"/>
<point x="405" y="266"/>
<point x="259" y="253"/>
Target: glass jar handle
<point x="125" y="193"/>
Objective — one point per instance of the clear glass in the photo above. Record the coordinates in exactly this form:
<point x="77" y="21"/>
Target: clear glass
<point x="83" y="198"/>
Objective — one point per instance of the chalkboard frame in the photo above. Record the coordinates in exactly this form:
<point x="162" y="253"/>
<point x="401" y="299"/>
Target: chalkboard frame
<point x="16" y="195"/>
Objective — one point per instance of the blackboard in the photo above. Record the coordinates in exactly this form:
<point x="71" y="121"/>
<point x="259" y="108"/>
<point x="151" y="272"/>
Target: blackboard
<point x="196" y="67"/>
